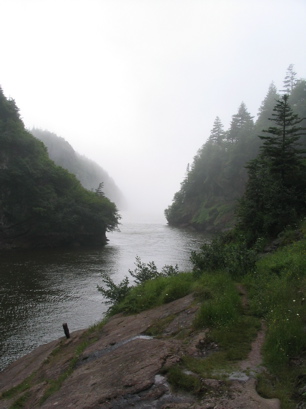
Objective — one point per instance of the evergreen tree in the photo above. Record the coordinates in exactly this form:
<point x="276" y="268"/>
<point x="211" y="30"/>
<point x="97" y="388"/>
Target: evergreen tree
<point x="217" y="132"/>
<point x="241" y="124"/>
<point x="290" y="80"/>
<point x="298" y="102"/>
<point x="280" y="145"/>
<point x="41" y="204"/>
<point x="275" y="192"/>
<point x="266" y="107"/>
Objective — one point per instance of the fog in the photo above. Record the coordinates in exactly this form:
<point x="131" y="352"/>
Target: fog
<point x="136" y="85"/>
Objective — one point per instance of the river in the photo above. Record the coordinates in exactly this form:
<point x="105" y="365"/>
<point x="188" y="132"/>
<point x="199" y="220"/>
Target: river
<point x="41" y="290"/>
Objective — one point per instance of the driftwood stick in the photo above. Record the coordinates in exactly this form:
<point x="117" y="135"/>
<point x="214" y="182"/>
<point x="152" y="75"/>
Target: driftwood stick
<point x="66" y="330"/>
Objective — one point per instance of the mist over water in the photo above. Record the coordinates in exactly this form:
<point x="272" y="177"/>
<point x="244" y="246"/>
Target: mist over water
<point x="41" y="290"/>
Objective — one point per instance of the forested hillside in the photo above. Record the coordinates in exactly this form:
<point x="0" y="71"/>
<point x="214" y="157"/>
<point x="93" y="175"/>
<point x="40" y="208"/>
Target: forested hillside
<point x="89" y="173"/>
<point x="41" y="204"/>
<point x="216" y="180"/>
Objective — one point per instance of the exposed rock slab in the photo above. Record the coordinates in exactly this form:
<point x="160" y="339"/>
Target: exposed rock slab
<point x="122" y="367"/>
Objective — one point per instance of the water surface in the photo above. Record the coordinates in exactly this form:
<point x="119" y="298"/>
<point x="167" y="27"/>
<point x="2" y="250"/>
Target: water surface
<point x="41" y="290"/>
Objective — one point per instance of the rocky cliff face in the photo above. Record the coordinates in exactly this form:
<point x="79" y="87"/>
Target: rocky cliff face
<point x="125" y="364"/>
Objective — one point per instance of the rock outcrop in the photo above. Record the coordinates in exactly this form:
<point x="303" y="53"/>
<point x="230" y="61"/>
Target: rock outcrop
<point x="123" y="364"/>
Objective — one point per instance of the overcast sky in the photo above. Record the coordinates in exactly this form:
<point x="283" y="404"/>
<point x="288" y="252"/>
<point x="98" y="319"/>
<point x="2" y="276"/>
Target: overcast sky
<point x="136" y="85"/>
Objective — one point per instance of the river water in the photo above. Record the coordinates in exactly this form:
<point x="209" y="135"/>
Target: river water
<point x="41" y="290"/>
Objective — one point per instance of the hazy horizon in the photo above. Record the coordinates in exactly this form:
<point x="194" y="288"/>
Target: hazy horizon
<point x="135" y="85"/>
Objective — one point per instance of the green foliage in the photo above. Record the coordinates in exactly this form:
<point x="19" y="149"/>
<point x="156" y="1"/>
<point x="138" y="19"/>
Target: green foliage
<point x="22" y="387"/>
<point x="275" y="192"/>
<point x="144" y="272"/>
<point x="41" y="203"/>
<point x="152" y="287"/>
<point x="55" y="384"/>
<point x="222" y="306"/>
<point x="89" y="173"/>
<point x="113" y="293"/>
<point x="181" y="381"/>
<point x="278" y="293"/>
<point x="218" y="176"/>
<point x="155" y="292"/>
<point x="222" y="253"/>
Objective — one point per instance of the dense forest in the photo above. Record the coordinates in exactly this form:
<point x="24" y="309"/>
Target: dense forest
<point x="89" y="173"/>
<point x="42" y="204"/>
<point x="216" y="180"/>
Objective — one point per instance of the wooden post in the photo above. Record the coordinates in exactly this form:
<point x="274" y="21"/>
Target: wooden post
<point x="66" y="330"/>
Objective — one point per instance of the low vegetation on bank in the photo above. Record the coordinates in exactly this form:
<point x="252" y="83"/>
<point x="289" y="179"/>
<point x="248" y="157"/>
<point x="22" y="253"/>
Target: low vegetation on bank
<point x="275" y="283"/>
<point x="231" y="306"/>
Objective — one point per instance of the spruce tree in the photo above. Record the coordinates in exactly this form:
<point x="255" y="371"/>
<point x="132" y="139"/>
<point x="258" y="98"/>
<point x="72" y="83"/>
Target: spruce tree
<point x="290" y="80"/>
<point x="217" y="132"/>
<point x="280" y="145"/>
<point x="275" y="192"/>
<point x="241" y="124"/>
<point x="266" y="107"/>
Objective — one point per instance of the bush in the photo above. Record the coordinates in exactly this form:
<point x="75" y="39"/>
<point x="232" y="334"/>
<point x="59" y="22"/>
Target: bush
<point x="140" y="297"/>
<point x="155" y="292"/>
<point x="144" y="272"/>
<point x="114" y="293"/>
<point x="222" y="253"/>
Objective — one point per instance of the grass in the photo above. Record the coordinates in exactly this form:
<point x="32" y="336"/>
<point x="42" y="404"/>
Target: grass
<point x="22" y="387"/>
<point x="20" y="402"/>
<point x="180" y="380"/>
<point x="55" y="385"/>
<point x="158" y="326"/>
<point x="22" y="391"/>
<point x="277" y="293"/>
<point x="221" y="304"/>
<point x="155" y="292"/>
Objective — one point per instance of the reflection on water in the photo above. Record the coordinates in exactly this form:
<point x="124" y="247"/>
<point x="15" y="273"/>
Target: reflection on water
<point x="43" y="289"/>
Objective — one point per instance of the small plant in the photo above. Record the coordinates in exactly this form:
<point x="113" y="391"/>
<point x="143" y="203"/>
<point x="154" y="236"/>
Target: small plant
<point x="144" y="272"/>
<point x="180" y="380"/>
<point x="115" y="294"/>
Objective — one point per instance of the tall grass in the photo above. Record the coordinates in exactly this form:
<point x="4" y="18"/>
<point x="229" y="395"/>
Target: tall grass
<point x="155" y="292"/>
<point x="221" y="302"/>
<point x="277" y="292"/>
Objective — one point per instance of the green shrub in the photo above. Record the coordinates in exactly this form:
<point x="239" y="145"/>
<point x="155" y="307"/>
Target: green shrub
<point x="152" y="288"/>
<point x="155" y="292"/>
<point x="223" y="253"/>
<point x="114" y="293"/>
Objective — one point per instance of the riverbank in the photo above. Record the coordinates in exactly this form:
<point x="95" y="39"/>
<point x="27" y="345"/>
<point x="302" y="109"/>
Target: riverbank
<point x="133" y="361"/>
<point x="42" y="289"/>
<point x="183" y="340"/>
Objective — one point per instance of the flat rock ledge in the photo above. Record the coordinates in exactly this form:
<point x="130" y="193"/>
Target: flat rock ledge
<point x="121" y="366"/>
